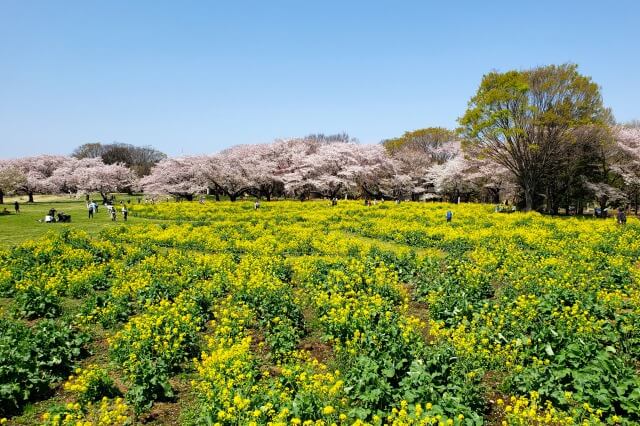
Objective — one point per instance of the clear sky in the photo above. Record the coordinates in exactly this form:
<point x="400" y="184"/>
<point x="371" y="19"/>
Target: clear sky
<point x="192" y="77"/>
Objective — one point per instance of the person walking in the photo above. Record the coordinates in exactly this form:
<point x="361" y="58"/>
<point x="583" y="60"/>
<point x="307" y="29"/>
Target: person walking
<point x="16" y="206"/>
<point x="621" y="216"/>
<point x="125" y="213"/>
<point x="449" y="215"/>
<point x="113" y="214"/>
<point x="90" y="209"/>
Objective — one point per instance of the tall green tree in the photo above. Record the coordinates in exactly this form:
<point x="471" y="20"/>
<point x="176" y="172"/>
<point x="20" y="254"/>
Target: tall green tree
<point x="524" y="120"/>
<point x="429" y="141"/>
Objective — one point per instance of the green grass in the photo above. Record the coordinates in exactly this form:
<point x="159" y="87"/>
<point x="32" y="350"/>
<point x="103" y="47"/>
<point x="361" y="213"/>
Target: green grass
<point x="17" y="228"/>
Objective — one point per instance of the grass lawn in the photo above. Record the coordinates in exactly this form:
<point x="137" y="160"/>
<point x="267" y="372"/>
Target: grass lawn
<point x="16" y="228"/>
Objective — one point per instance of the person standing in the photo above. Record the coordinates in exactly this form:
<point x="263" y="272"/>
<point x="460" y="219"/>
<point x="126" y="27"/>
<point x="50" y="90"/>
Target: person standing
<point x="90" y="209"/>
<point x="16" y="206"/>
<point x="113" y="214"/>
<point x="449" y="215"/>
<point x="125" y="213"/>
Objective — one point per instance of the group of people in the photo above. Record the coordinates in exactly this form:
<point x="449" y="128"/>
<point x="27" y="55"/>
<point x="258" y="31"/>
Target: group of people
<point x="50" y="217"/>
<point x="92" y="208"/>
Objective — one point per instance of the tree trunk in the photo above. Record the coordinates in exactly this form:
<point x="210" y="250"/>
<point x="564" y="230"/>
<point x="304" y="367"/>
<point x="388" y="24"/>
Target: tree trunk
<point x="528" y="199"/>
<point x="189" y="197"/>
<point x="1" y="197"/>
<point x="30" y="197"/>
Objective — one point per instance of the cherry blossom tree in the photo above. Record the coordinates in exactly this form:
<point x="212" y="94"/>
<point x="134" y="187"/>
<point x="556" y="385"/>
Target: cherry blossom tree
<point x="334" y="168"/>
<point x="175" y="176"/>
<point x="373" y="172"/>
<point x="36" y="171"/>
<point x="11" y="178"/>
<point x="453" y="178"/>
<point x="227" y="172"/>
<point x="415" y="153"/>
<point x="105" y="178"/>
<point x="89" y="175"/>
<point x="628" y="141"/>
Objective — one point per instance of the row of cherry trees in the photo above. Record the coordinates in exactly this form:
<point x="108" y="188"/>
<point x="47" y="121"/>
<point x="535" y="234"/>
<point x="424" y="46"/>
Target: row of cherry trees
<point x="49" y="174"/>
<point x="423" y="165"/>
<point x="309" y="167"/>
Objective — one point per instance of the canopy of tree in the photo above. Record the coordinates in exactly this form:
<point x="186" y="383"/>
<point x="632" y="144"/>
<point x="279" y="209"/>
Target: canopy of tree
<point x="531" y="121"/>
<point x="140" y="159"/>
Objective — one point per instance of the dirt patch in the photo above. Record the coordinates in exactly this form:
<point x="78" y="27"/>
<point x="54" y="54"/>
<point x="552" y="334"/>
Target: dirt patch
<point x="495" y="413"/>
<point x="418" y="309"/>
<point x="318" y="349"/>
<point x="168" y="412"/>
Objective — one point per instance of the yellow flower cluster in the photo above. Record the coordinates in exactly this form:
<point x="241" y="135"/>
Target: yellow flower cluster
<point x="107" y="412"/>
<point x="164" y="331"/>
<point x="522" y="411"/>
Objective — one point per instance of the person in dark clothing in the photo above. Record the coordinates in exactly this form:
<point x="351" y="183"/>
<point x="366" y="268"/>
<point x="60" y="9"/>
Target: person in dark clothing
<point x="16" y="206"/>
<point x="621" y="217"/>
<point x="449" y="215"/>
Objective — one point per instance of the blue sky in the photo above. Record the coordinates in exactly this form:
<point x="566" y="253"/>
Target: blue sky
<point x="194" y="77"/>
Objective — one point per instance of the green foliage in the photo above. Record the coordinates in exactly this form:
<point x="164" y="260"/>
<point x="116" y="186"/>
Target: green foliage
<point x="419" y="139"/>
<point x="32" y="359"/>
<point x="38" y="302"/>
<point x="524" y="120"/>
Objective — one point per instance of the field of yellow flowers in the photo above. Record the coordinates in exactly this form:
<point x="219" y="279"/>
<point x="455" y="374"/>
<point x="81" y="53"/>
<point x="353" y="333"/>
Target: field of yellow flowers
<point x="304" y="313"/>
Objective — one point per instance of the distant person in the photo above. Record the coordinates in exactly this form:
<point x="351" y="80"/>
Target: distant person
<point x="201" y="200"/>
<point x="621" y="216"/>
<point x="125" y="213"/>
<point x="334" y="201"/>
<point x="52" y="213"/>
<point x="90" y="208"/>
<point x="16" y="206"/>
<point x="449" y="215"/>
<point x="113" y="214"/>
<point x="256" y="205"/>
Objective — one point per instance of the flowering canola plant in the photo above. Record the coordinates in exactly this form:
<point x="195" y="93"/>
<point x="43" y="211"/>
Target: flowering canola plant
<point x="312" y="314"/>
